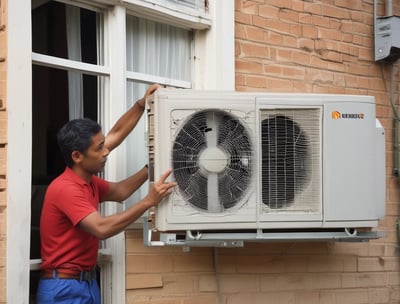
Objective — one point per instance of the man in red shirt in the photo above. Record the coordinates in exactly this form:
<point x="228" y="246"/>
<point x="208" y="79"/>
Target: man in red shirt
<point x="71" y="224"/>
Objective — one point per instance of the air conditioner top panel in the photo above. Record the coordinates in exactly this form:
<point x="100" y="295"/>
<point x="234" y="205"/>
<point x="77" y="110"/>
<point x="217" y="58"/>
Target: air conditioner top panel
<point x="272" y="97"/>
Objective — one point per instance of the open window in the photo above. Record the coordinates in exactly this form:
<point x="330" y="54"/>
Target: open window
<point x="65" y="85"/>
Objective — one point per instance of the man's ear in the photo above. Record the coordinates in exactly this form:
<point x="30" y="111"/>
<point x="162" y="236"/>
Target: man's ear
<point x="76" y="156"/>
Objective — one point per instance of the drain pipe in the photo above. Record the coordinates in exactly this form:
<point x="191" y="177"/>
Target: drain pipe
<point x="388" y="7"/>
<point x="396" y="170"/>
<point x="396" y="147"/>
<point x="389" y="12"/>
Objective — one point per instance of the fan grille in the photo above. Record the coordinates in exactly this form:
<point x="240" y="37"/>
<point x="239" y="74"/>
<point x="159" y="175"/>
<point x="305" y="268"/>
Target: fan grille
<point x="290" y="150"/>
<point x="219" y="182"/>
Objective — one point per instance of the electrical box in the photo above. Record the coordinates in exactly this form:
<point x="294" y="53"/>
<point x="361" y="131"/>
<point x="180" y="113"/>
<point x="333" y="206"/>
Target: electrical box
<point x="387" y="38"/>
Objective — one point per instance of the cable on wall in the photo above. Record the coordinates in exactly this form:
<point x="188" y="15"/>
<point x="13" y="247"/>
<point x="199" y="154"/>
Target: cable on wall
<point x="396" y="147"/>
<point x="216" y="269"/>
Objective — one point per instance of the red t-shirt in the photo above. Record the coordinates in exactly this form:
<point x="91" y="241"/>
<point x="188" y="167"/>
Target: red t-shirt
<point x="68" y="200"/>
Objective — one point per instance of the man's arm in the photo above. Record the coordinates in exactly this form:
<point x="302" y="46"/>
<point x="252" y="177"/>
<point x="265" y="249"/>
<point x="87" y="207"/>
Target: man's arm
<point x="120" y="191"/>
<point x="128" y="121"/>
<point x="104" y="227"/>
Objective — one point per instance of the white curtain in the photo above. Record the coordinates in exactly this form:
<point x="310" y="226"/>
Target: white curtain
<point x="154" y="49"/>
<point x="75" y="83"/>
<point x="157" y="49"/>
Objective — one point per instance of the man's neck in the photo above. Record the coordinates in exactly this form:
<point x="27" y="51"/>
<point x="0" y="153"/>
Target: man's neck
<point x="86" y="176"/>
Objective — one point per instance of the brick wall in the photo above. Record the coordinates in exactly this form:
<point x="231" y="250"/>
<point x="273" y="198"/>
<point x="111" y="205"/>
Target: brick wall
<point x="3" y="148"/>
<point x="290" y="46"/>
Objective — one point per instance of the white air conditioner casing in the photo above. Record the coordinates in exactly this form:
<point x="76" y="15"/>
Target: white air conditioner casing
<point x="301" y="160"/>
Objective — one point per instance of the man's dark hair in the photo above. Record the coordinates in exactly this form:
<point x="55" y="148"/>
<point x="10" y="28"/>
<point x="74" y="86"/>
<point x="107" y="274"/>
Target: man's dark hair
<point x="76" y="135"/>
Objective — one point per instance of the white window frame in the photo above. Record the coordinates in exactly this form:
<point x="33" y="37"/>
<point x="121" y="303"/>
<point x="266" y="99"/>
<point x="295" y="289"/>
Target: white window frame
<point x="103" y="69"/>
<point x="213" y="69"/>
<point x="19" y="163"/>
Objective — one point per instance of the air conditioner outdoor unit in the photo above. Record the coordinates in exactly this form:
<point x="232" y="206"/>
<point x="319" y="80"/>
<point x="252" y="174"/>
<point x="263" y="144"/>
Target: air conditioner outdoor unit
<point x="266" y="160"/>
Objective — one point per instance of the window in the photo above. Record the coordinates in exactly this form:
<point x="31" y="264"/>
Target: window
<point x="66" y="79"/>
<point x="76" y="67"/>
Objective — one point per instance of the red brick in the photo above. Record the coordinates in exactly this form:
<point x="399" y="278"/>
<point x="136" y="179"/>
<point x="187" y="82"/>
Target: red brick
<point x="278" y="26"/>
<point x="192" y="263"/>
<point x="201" y="299"/>
<point x="256" y="81"/>
<point x="335" y="12"/>
<point x="281" y="3"/>
<point x="3" y="15"/>
<point x="314" y="8"/>
<point x="288" y="15"/>
<point x="149" y="263"/>
<point x="139" y="281"/>
<point x="251" y="50"/>
<point x="268" y="11"/>
<point x="310" y="31"/>
<point x="3" y="160"/>
<point x="254" y="34"/>
<point x="249" y="67"/>
<point x="3" y="127"/>
<point x="241" y="18"/>
<point x="239" y="32"/>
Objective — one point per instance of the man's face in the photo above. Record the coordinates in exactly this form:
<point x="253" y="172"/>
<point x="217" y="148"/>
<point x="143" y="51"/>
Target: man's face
<point x="95" y="157"/>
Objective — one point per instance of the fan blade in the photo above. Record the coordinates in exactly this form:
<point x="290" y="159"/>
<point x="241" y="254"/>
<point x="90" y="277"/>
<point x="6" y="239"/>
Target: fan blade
<point x="211" y="160"/>
<point x="212" y="130"/>
<point x="213" y="204"/>
<point x="195" y="188"/>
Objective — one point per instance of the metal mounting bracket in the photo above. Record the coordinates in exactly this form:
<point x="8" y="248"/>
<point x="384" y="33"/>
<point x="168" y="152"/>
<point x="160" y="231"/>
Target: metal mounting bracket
<point x="238" y="238"/>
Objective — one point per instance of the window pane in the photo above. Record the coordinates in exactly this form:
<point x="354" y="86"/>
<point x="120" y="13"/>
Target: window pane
<point x="158" y="49"/>
<point x="136" y="148"/>
<point x="52" y="104"/>
<point x="65" y="31"/>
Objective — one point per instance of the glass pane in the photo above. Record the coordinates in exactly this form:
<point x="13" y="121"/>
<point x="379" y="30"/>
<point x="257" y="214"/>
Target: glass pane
<point x="136" y="141"/>
<point x="52" y="102"/>
<point x="65" y="31"/>
<point x="158" y="49"/>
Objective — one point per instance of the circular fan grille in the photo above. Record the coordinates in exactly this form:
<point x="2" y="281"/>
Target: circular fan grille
<point x="211" y="160"/>
<point x="285" y="156"/>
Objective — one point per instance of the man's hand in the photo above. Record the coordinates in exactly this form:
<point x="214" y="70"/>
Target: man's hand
<point x="128" y="121"/>
<point x="149" y="91"/>
<point x="103" y="227"/>
<point x="160" y="189"/>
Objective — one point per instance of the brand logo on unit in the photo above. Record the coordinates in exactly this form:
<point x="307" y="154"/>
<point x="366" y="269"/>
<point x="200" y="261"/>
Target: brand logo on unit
<point x="338" y="115"/>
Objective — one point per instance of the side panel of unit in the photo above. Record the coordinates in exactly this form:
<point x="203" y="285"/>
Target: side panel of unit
<point x="349" y="170"/>
<point x="380" y="177"/>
